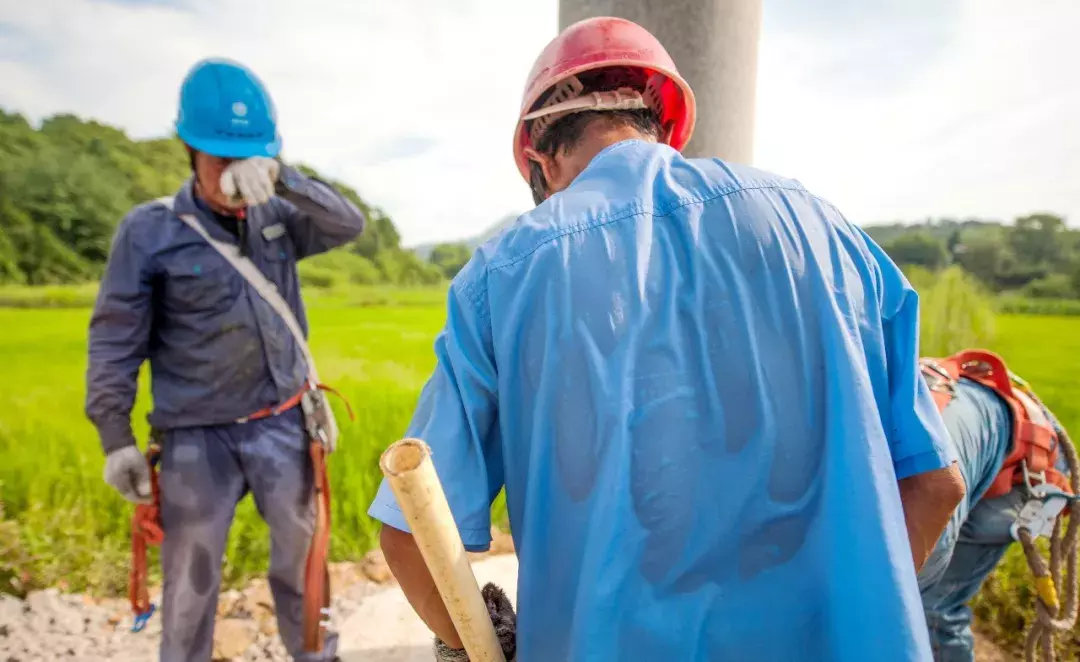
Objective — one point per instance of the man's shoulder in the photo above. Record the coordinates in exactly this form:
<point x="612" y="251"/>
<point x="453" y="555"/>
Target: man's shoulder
<point x="145" y="221"/>
<point x="630" y="180"/>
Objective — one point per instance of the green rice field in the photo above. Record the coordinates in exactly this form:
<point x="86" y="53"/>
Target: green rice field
<point x="61" y="525"/>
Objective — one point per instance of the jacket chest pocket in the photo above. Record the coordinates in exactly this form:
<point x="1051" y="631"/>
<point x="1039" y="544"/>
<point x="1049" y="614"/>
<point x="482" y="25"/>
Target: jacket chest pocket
<point x="277" y="261"/>
<point x="199" y="279"/>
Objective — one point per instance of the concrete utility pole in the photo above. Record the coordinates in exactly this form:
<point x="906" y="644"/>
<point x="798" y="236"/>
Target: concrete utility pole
<point x="714" y="44"/>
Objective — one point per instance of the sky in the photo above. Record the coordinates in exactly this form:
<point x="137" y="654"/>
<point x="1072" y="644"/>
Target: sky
<point x="891" y="109"/>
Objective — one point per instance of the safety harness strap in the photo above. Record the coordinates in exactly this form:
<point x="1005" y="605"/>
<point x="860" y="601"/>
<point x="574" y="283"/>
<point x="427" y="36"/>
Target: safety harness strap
<point x="145" y="530"/>
<point x="1035" y="444"/>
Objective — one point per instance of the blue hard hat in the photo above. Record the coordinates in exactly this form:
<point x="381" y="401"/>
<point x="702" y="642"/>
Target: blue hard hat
<point x="226" y="111"/>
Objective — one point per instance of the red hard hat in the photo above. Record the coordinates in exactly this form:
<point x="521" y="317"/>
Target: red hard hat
<point x="602" y="42"/>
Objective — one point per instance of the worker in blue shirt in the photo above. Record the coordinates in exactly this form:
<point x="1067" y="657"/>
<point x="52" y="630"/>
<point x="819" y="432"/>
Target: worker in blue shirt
<point x="222" y="360"/>
<point x="698" y="384"/>
<point x="981" y="430"/>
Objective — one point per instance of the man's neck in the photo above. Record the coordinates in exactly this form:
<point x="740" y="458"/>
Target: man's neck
<point x="597" y="137"/>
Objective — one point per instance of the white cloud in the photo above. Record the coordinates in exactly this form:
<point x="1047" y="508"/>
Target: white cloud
<point x="429" y="86"/>
<point x="988" y="129"/>
<point x="413" y="102"/>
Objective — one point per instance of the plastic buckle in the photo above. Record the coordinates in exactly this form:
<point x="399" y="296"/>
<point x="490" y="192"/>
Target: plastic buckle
<point x="141" y="619"/>
<point x="312" y="404"/>
<point x="1045" y="502"/>
<point x="943" y="381"/>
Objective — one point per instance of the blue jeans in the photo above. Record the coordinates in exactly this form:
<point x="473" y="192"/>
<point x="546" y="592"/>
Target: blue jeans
<point x="965" y="555"/>
<point x="204" y="473"/>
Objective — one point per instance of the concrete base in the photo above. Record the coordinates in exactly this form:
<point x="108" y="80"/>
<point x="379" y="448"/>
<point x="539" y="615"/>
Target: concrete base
<point x="386" y="629"/>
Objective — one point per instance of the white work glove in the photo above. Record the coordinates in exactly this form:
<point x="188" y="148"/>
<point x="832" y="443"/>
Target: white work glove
<point x="250" y="181"/>
<point x="127" y="470"/>
<point x="502" y="617"/>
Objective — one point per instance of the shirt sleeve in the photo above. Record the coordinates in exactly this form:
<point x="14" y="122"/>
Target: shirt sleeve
<point x="918" y="440"/>
<point x="457" y="416"/>
<point x="319" y="218"/>
<point x="118" y="340"/>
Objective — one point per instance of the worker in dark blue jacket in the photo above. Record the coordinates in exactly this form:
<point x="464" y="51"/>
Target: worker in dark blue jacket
<point x="218" y="353"/>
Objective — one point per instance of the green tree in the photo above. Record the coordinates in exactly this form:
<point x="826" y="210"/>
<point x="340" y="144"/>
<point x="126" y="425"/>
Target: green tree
<point x="65" y="186"/>
<point x="983" y="255"/>
<point x="918" y="249"/>
<point x="1054" y="286"/>
<point x="1038" y="239"/>
<point x="450" y="258"/>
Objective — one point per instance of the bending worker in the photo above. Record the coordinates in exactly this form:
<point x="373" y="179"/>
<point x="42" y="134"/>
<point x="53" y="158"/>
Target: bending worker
<point x="226" y="371"/>
<point x="997" y="432"/>
<point x="699" y="385"/>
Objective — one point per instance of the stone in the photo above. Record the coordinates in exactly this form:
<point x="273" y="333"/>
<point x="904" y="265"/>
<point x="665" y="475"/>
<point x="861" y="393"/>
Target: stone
<point x="228" y="603"/>
<point x="375" y="568"/>
<point x="232" y="636"/>
<point x="268" y="627"/>
<point x="11" y="609"/>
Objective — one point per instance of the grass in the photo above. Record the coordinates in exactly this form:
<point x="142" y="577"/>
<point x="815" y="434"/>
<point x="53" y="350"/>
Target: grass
<point x="82" y="296"/>
<point x="72" y="529"/>
<point x="61" y="525"/>
<point x="1017" y="304"/>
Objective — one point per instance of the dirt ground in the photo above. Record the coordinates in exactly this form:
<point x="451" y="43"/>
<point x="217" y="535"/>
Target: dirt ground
<point x="375" y="622"/>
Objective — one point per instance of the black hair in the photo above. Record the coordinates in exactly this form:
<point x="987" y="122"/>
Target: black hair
<point x="565" y="132"/>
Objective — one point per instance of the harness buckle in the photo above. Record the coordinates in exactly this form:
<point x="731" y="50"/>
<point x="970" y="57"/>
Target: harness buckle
<point x="1044" y="505"/>
<point x="316" y="413"/>
<point x="1028" y="475"/>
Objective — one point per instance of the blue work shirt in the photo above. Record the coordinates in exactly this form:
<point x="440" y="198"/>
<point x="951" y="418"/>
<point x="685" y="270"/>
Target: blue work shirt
<point x="699" y="385"/>
<point x="217" y="350"/>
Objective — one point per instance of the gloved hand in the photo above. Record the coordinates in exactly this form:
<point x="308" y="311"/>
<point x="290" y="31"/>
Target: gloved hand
<point x="502" y="617"/>
<point x="251" y="180"/>
<point x="127" y="470"/>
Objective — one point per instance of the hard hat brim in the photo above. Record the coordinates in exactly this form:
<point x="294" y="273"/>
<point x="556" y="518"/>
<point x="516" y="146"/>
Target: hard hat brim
<point x="231" y="149"/>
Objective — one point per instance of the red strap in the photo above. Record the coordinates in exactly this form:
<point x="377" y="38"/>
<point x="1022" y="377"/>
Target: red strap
<point x="145" y="530"/>
<point x="330" y="389"/>
<point x="316" y="571"/>
<point x="984" y="366"/>
<point x="267" y="412"/>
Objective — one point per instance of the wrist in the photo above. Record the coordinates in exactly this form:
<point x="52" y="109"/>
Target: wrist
<point x="116" y="436"/>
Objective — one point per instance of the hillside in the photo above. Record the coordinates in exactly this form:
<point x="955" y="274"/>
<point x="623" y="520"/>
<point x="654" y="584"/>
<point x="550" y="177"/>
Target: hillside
<point x="471" y="243"/>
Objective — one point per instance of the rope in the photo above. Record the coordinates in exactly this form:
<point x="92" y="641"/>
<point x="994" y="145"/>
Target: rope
<point x="1050" y="617"/>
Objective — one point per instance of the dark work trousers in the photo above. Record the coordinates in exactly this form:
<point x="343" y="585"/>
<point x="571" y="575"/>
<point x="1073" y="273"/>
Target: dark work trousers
<point x="204" y="473"/>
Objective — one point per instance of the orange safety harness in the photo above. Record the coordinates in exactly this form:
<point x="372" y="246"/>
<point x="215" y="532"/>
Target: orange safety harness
<point x="1035" y="446"/>
<point x="146" y="529"/>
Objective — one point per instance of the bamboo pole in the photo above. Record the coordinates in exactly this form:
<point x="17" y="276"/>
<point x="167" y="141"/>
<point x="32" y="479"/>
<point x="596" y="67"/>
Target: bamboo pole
<point x="408" y="468"/>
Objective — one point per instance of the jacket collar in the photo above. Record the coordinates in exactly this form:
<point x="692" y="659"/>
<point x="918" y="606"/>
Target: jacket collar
<point x="185" y="203"/>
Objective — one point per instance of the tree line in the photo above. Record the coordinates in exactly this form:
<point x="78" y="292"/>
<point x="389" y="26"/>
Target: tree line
<point x="1037" y="256"/>
<point x="65" y="185"/>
